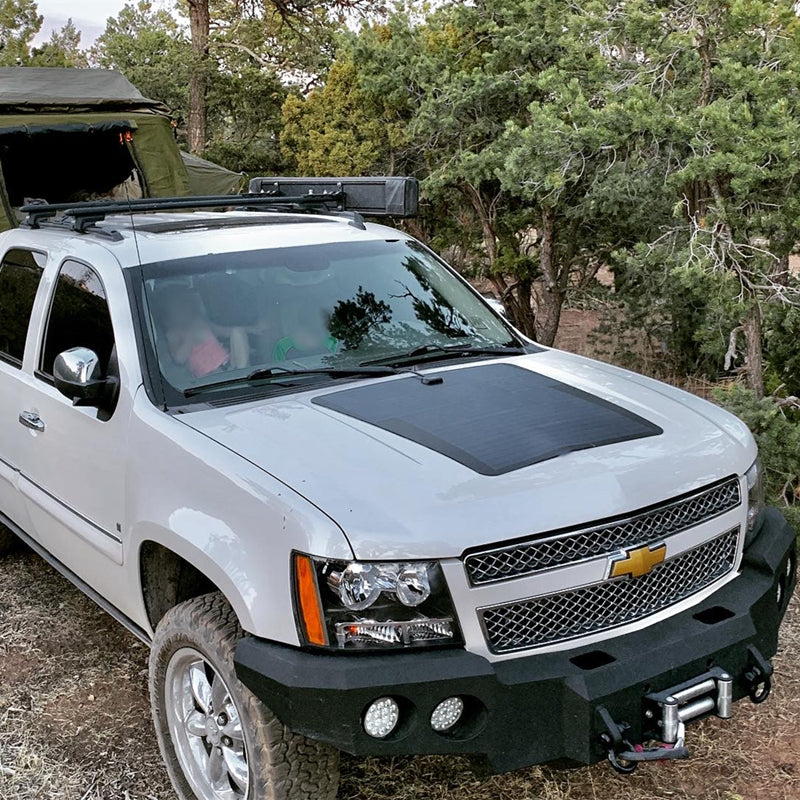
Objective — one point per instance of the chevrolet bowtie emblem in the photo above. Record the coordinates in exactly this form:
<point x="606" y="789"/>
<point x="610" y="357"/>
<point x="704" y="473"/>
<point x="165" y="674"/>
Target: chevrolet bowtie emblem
<point x="637" y="562"/>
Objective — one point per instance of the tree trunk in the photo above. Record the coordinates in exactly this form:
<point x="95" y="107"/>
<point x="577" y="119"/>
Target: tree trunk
<point x="199" y="25"/>
<point x="755" y="362"/>
<point x="707" y="52"/>
<point x="548" y="314"/>
<point x="517" y="300"/>
<point x="517" y="296"/>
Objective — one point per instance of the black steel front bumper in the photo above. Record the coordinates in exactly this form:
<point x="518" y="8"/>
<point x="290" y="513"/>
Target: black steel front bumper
<point x="534" y="708"/>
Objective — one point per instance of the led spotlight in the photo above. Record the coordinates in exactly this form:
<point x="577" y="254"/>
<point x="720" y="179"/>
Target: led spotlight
<point x="447" y="713"/>
<point x="381" y="718"/>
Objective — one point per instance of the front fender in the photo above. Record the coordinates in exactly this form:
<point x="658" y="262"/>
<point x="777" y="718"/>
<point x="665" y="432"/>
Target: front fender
<point x="228" y="518"/>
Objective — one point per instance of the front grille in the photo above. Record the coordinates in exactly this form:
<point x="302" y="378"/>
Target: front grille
<point x="644" y="528"/>
<point x="579" y="612"/>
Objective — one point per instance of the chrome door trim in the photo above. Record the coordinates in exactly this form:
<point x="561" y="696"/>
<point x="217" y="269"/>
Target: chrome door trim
<point x="72" y="511"/>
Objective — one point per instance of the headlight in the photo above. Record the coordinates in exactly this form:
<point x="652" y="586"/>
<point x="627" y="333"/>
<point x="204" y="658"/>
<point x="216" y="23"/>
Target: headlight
<point x="373" y="604"/>
<point x="755" y="498"/>
<point x="359" y="586"/>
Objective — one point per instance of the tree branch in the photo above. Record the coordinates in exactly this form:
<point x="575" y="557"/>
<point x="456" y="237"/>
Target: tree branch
<point x="730" y="353"/>
<point x="236" y="46"/>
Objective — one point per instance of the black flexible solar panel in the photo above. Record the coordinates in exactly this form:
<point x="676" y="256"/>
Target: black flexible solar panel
<point x="492" y="418"/>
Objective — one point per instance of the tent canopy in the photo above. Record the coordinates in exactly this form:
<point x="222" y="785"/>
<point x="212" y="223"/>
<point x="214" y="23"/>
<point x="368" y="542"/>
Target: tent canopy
<point x="31" y="89"/>
<point x="206" y="178"/>
<point x="66" y="157"/>
<point x="76" y="134"/>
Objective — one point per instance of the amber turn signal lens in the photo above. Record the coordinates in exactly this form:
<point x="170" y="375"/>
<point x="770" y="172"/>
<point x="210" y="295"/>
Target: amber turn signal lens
<point x="308" y="596"/>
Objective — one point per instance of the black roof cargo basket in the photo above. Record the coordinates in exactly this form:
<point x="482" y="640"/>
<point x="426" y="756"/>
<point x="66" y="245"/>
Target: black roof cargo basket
<point x="373" y="197"/>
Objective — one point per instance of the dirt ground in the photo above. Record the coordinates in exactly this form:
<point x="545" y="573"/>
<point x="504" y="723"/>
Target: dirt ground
<point x="75" y="721"/>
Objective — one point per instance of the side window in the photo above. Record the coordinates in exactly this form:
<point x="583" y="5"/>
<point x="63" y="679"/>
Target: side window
<point x="79" y="316"/>
<point x="20" y="273"/>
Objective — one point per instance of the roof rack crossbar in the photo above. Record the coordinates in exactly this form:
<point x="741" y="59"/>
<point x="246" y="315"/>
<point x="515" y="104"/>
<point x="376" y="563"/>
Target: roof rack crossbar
<point x="376" y="196"/>
<point x="83" y="215"/>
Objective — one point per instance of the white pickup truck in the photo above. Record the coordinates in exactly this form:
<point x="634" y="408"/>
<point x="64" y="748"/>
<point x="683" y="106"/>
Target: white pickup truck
<point x="349" y="507"/>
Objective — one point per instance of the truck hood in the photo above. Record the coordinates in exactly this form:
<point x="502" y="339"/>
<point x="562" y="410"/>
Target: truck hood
<point x="593" y="442"/>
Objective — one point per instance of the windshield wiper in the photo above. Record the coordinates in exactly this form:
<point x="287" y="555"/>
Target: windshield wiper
<point x="269" y="373"/>
<point x="444" y="351"/>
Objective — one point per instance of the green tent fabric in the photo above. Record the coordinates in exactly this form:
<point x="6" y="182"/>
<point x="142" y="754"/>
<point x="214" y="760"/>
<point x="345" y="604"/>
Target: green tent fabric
<point x="66" y="134"/>
<point x="207" y="178"/>
<point x="33" y="89"/>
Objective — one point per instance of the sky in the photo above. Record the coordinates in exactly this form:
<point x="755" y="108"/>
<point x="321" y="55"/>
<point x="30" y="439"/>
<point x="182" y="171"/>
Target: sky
<point x="88" y="15"/>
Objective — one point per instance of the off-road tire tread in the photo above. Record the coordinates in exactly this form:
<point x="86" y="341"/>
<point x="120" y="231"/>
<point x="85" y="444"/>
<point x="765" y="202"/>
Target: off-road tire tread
<point x="284" y="765"/>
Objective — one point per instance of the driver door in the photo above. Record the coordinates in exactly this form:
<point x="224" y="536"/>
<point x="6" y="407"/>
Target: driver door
<point x="72" y="464"/>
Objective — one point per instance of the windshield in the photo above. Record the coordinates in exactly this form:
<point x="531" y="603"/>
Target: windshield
<point x="335" y="306"/>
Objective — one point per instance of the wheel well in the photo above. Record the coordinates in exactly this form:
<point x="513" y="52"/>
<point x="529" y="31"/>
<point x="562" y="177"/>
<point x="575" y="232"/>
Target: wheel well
<point x="167" y="580"/>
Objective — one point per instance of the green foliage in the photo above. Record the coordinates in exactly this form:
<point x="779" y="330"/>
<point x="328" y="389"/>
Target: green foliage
<point x="563" y="137"/>
<point x="782" y="347"/>
<point x="336" y="129"/>
<point x="503" y="110"/>
<point x="244" y="117"/>
<point x="729" y="150"/>
<point x="680" y="315"/>
<point x="20" y="21"/>
<point x="777" y="433"/>
<point x="152" y="50"/>
<point x="298" y="40"/>
<point x="660" y="138"/>
<point x="149" y="47"/>
<point x="62" y="49"/>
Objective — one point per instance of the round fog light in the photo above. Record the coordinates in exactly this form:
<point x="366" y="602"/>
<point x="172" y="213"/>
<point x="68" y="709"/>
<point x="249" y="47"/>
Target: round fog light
<point x="381" y="718"/>
<point x="447" y="713"/>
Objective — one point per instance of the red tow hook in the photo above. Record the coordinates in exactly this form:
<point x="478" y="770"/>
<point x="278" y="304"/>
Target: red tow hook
<point x="625" y="757"/>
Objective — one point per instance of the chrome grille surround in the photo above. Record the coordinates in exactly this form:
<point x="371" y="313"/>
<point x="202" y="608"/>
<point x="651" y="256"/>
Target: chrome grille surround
<point x="501" y="564"/>
<point x="590" y="609"/>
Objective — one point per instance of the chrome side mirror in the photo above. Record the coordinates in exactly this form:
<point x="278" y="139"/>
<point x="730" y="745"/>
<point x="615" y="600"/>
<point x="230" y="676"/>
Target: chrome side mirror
<point x="78" y="375"/>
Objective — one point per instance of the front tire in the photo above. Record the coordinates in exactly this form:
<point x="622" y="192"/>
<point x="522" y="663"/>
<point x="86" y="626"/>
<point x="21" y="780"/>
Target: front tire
<point x="218" y="741"/>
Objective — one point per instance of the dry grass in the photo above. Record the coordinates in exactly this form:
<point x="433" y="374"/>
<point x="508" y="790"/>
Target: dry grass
<point x="74" y="723"/>
<point x="74" y="715"/>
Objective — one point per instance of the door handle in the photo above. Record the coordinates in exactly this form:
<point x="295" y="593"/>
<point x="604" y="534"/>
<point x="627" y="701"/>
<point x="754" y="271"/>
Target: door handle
<point x="31" y="420"/>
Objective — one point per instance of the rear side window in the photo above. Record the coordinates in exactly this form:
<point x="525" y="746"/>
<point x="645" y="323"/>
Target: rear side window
<point x="79" y="316"/>
<point x="20" y="273"/>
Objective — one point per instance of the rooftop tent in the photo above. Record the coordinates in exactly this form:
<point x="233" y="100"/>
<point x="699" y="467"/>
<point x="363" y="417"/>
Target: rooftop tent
<point x="75" y="134"/>
<point x="207" y="178"/>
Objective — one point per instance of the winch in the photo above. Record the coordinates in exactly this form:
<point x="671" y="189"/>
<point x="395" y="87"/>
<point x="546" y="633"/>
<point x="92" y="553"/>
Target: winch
<point x="669" y="710"/>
